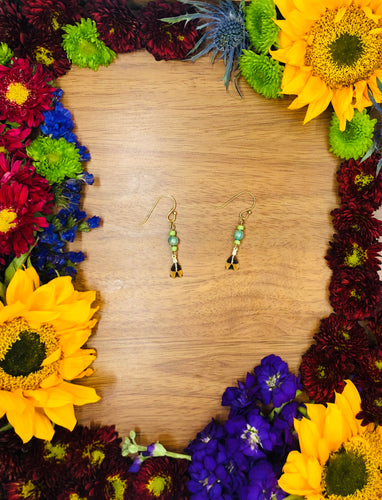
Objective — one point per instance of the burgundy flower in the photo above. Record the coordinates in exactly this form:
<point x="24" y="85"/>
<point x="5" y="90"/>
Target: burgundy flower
<point x="164" y="40"/>
<point x="24" y="197"/>
<point x="375" y="324"/>
<point x="343" y="335"/>
<point x="118" y="483"/>
<point x="16" y="457"/>
<point x="371" y="405"/>
<point x="355" y="293"/>
<point x="348" y="251"/>
<point x="24" y="93"/>
<point x="359" y="221"/>
<point x="12" y="25"/>
<point x="23" y="489"/>
<point x="116" y="24"/>
<point x="51" y="15"/>
<point x="359" y="184"/>
<point x="163" y="478"/>
<point x="324" y="371"/>
<point x="14" y="139"/>
<point x="46" y="49"/>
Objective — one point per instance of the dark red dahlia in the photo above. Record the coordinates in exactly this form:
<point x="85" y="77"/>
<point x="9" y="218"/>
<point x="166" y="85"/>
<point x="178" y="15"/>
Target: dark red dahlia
<point x="164" y="40"/>
<point x="24" y="93"/>
<point x="12" y="25"/>
<point x="375" y="324"/>
<point x="359" y="221"/>
<point x="371" y="373"/>
<point x="371" y="405"/>
<point x="359" y="184"/>
<point x="116" y="24"/>
<point x="23" y="489"/>
<point x="162" y="477"/>
<point x="349" y="252"/>
<point x="355" y="293"/>
<point x="24" y="197"/>
<point x="324" y="371"/>
<point x="51" y="15"/>
<point x="14" y="139"/>
<point x="46" y="49"/>
<point x="345" y="336"/>
<point x="118" y="483"/>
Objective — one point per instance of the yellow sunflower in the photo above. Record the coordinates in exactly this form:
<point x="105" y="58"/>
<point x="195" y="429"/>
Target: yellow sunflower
<point x="339" y="458"/>
<point x="332" y="50"/>
<point x="42" y="329"/>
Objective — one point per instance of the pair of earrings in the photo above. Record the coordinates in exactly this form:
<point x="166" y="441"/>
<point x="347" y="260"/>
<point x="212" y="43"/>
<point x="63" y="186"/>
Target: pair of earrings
<point x="173" y="240"/>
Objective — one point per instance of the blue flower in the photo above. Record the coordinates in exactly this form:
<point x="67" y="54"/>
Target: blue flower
<point x="263" y="483"/>
<point x="225" y="32"/>
<point x="277" y="384"/>
<point x="241" y="399"/>
<point x="58" y="123"/>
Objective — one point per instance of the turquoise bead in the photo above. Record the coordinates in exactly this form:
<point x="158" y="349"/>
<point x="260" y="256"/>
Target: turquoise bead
<point x="238" y="234"/>
<point x="173" y="240"/>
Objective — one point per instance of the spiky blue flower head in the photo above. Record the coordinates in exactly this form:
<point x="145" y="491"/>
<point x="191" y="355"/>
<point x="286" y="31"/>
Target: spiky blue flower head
<point x="225" y="32"/>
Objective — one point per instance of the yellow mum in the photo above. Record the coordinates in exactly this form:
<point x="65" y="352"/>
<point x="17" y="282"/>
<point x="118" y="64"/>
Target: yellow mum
<point x="339" y="458"/>
<point x="42" y="330"/>
<point x="332" y="50"/>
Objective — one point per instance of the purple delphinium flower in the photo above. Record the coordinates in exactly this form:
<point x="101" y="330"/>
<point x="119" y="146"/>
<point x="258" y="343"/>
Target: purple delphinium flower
<point x="58" y="123"/>
<point x="250" y="435"/>
<point x="276" y="384"/>
<point x="262" y="483"/>
<point x="241" y="399"/>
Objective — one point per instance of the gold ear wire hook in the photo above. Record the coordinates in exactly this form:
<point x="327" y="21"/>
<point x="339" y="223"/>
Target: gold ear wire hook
<point x="244" y="214"/>
<point x="171" y="217"/>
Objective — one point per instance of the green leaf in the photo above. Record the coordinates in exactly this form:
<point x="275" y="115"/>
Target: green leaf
<point x="294" y="497"/>
<point x="369" y="152"/>
<point x="379" y="166"/>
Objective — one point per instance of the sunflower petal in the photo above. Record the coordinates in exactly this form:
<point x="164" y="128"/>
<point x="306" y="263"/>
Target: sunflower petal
<point x="62" y="415"/>
<point x="43" y="428"/>
<point x="22" y="285"/>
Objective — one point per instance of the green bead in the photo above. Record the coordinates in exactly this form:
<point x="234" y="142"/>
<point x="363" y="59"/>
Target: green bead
<point x="174" y="248"/>
<point x="237" y="242"/>
<point x="240" y="227"/>
<point x="238" y="234"/>
<point x="172" y="232"/>
<point x="173" y="240"/>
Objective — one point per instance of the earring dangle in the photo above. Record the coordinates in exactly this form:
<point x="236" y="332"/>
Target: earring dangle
<point x="232" y="261"/>
<point x="173" y="240"/>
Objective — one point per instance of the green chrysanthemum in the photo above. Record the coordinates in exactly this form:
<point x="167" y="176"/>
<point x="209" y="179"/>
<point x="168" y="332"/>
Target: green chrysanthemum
<point x="83" y="46"/>
<point x="262" y="73"/>
<point x="6" y="54"/>
<point x="55" y="159"/>
<point x="355" y="140"/>
<point x="262" y="30"/>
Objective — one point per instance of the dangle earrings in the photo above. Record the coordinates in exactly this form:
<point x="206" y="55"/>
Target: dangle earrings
<point x="232" y="261"/>
<point x="176" y="269"/>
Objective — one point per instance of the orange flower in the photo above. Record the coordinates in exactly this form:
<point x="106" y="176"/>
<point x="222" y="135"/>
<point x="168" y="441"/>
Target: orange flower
<point x="42" y="330"/>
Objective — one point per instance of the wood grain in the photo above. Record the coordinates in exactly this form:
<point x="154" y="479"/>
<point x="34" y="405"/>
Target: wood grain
<point x="168" y="348"/>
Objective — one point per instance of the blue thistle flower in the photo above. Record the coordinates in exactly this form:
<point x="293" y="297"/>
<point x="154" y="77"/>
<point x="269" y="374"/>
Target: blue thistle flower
<point x="225" y="33"/>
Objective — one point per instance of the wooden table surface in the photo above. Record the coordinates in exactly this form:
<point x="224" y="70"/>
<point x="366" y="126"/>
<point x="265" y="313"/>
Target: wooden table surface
<point x="168" y="348"/>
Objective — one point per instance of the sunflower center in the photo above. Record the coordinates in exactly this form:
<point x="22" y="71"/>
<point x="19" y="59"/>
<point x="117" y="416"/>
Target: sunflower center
<point x="158" y="484"/>
<point x="17" y="93"/>
<point x="344" y="474"/>
<point x="7" y="220"/>
<point x="229" y="35"/>
<point x="344" y="47"/>
<point x="22" y="353"/>
<point x="44" y="56"/>
<point x="24" y="356"/>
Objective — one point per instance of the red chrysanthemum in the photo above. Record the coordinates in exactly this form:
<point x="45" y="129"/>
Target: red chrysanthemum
<point x="12" y="25"/>
<point x="163" y="40"/>
<point x="324" y="371"/>
<point x="51" y="15"/>
<point x="371" y="405"/>
<point x="24" y="197"/>
<point x="375" y="324"/>
<point x="118" y="483"/>
<point x="349" y="252"/>
<point x="359" y="221"/>
<point x="24" y="93"/>
<point x="116" y="24"/>
<point x="348" y="337"/>
<point x="46" y="49"/>
<point x="163" y="478"/>
<point x="359" y="184"/>
<point x="16" y="457"/>
<point x="14" y="139"/>
<point x="23" y="489"/>
<point x="355" y="293"/>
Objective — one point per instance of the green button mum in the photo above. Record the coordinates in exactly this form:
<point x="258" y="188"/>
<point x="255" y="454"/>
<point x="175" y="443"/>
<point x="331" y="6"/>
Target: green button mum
<point x="55" y="159"/>
<point x="83" y="46"/>
<point x="262" y="30"/>
<point x="262" y="73"/>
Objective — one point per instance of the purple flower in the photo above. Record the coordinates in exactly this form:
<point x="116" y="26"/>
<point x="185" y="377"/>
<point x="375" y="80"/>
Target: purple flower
<point x="263" y="483"/>
<point x="277" y="384"/>
<point x="241" y="399"/>
<point x="250" y="435"/>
